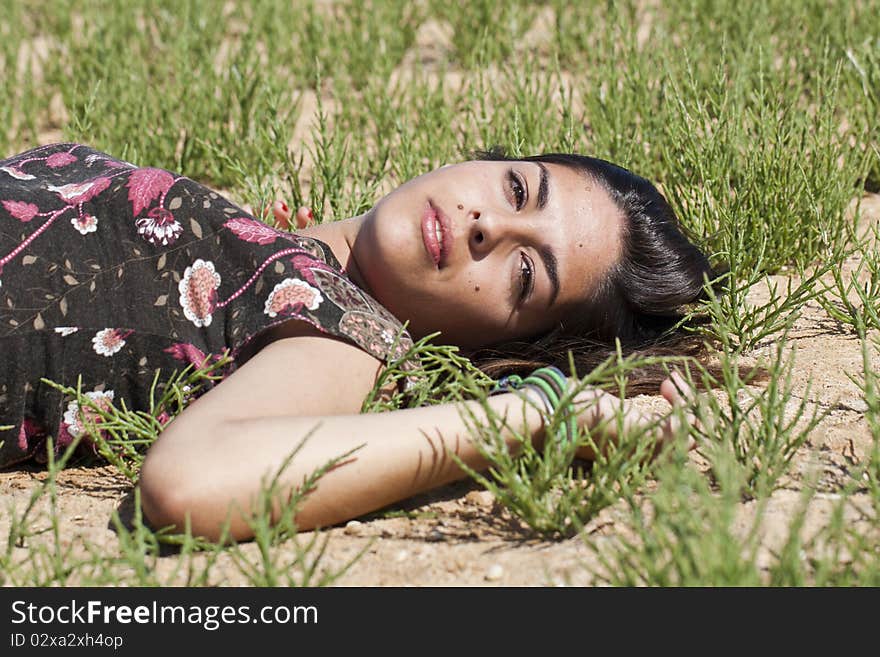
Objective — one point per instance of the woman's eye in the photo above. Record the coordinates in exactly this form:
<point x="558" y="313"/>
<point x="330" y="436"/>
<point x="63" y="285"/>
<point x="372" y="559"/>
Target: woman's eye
<point x="518" y="190"/>
<point x="526" y="277"/>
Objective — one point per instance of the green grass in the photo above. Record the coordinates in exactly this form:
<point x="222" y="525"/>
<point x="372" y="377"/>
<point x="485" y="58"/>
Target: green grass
<point x="546" y="489"/>
<point x="760" y="430"/>
<point x="759" y="120"/>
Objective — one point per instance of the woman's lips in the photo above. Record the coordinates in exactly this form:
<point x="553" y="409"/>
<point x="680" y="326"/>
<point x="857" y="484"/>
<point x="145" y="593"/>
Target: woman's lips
<point x="436" y="234"/>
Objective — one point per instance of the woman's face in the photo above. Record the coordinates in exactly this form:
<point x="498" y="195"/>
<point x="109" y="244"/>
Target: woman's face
<point x="487" y="252"/>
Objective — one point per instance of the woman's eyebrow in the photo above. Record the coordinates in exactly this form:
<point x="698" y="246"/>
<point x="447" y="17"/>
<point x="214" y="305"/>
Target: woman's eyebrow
<point x="552" y="266"/>
<point x="543" y="187"/>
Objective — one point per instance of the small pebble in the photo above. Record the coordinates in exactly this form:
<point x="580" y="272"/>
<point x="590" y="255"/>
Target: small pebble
<point x="494" y="573"/>
<point x="479" y="498"/>
<point x="435" y="535"/>
<point x="354" y="528"/>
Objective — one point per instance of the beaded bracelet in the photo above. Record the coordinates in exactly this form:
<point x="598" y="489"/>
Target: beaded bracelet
<point x="550" y="384"/>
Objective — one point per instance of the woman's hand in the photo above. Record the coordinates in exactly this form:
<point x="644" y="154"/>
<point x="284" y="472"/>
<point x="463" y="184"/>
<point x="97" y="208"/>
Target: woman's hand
<point x="282" y="215"/>
<point x="597" y="411"/>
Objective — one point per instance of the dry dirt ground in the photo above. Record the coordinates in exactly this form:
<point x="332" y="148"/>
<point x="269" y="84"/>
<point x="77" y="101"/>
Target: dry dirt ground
<point x="458" y="536"/>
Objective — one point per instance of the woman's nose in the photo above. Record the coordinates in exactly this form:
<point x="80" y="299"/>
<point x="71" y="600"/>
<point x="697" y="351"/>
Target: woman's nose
<point x="488" y="229"/>
<point x="479" y="232"/>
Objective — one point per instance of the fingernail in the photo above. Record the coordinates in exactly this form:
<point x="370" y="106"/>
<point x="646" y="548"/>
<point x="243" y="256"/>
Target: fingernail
<point x="309" y="214"/>
<point x="284" y="206"/>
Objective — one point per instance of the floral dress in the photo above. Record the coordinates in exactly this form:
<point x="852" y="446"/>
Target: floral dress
<point x="110" y="272"/>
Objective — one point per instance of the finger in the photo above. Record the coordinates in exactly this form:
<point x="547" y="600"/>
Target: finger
<point x="671" y="392"/>
<point x="304" y="217"/>
<point x="678" y="390"/>
<point x="687" y="388"/>
<point x="680" y="421"/>
<point x="281" y="213"/>
<point x="672" y="428"/>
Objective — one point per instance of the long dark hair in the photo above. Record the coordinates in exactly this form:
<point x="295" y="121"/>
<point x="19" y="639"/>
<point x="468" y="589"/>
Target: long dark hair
<point x="639" y="302"/>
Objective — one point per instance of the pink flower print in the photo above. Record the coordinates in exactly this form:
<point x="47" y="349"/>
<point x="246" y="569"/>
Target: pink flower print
<point x="144" y="185"/>
<point x="21" y="210"/>
<point x="159" y="227"/>
<point x="57" y="160"/>
<point x="29" y="429"/>
<point x="404" y="344"/>
<point x="85" y="223"/>
<point x="64" y="331"/>
<point x="198" y="292"/>
<point x="76" y="193"/>
<point x="74" y="422"/>
<point x="292" y="295"/>
<point x="16" y="173"/>
<point x="109" y="341"/>
<point x="306" y="265"/>
<point x="250" y="230"/>
<point x="187" y="353"/>
<point x="373" y="333"/>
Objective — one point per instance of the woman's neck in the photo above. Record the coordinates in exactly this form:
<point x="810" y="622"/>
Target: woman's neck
<point x="340" y="236"/>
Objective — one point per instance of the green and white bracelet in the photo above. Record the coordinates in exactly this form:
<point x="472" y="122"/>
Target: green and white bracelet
<point x="550" y="384"/>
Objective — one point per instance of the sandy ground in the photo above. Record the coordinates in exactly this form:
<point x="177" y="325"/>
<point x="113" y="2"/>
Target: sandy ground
<point x="458" y="535"/>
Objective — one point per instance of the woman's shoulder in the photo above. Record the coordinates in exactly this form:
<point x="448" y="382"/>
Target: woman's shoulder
<point x="336" y="304"/>
<point x="61" y="154"/>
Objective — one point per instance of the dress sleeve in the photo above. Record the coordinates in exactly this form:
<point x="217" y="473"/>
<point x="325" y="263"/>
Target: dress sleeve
<point x="298" y="277"/>
<point x="338" y="307"/>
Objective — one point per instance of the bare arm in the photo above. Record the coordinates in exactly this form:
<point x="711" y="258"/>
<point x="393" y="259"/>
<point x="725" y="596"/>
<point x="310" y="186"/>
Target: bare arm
<point x="211" y="460"/>
<point x="401" y="453"/>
